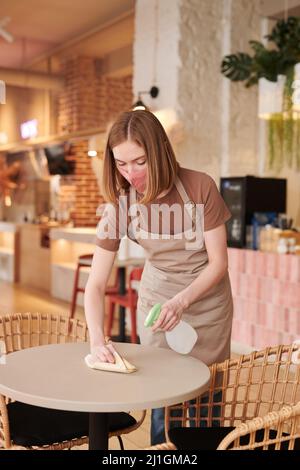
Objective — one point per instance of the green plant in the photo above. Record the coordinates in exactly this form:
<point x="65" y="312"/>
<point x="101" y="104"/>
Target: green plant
<point x="268" y="63"/>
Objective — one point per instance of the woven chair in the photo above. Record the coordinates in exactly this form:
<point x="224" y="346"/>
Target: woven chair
<point x="278" y="430"/>
<point x="20" y="422"/>
<point x="241" y="390"/>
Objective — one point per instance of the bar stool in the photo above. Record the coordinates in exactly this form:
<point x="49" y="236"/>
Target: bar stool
<point x="83" y="262"/>
<point x="128" y="300"/>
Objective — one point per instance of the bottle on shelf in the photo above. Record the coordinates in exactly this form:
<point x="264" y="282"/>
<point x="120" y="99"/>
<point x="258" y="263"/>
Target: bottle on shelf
<point x="282" y="247"/>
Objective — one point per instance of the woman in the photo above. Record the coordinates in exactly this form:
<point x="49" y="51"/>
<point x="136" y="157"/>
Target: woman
<point x="185" y="270"/>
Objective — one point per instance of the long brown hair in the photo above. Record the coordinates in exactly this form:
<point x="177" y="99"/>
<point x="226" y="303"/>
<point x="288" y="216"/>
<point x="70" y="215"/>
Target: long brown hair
<point x="143" y="128"/>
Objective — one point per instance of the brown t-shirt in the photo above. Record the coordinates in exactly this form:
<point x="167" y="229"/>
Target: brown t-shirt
<point x="200" y="188"/>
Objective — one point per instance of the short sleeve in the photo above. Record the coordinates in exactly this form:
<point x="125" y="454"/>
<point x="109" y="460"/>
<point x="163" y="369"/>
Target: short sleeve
<point x="111" y="227"/>
<point x="215" y="210"/>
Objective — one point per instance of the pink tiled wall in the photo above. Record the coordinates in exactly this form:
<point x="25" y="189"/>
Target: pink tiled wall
<point x="266" y="295"/>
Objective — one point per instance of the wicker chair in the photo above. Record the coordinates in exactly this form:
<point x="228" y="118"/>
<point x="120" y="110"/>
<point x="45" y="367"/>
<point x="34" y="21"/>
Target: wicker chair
<point x="281" y="431"/>
<point x="241" y="391"/>
<point x="24" y="330"/>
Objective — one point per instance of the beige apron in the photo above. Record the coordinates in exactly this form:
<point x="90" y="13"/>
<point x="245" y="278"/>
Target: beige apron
<point x="169" y="268"/>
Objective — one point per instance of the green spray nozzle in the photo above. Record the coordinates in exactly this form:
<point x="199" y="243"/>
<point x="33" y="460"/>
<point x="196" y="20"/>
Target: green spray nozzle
<point x="153" y="315"/>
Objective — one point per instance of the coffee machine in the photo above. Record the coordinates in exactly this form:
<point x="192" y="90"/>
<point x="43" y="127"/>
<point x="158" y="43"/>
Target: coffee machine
<point x="249" y="195"/>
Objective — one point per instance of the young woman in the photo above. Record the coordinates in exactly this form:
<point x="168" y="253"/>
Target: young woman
<point x="187" y="274"/>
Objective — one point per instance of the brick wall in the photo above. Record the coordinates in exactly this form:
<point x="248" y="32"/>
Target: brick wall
<point x="266" y="295"/>
<point x="88" y="101"/>
<point x="78" y="101"/>
<point x="115" y="96"/>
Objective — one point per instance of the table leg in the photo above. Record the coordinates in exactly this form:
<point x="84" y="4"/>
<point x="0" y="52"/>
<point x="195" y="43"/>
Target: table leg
<point x="122" y="310"/>
<point x="98" y="431"/>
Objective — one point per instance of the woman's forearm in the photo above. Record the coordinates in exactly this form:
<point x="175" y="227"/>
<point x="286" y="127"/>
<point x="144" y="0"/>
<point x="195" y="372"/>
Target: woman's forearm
<point x="94" y="308"/>
<point x="209" y="277"/>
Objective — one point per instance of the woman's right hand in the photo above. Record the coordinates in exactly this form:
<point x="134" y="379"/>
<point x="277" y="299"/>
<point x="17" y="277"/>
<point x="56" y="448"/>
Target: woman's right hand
<point x="103" y="353"/>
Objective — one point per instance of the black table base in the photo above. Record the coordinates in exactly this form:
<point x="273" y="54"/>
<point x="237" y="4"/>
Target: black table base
<point x="122" y="310"/>
<point x="98" y="431"/>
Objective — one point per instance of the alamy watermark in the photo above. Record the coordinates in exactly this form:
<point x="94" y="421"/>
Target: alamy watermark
<point x="188" y="222"/>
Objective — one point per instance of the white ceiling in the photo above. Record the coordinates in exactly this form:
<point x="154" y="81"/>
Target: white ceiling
<point x="40" y="26"/>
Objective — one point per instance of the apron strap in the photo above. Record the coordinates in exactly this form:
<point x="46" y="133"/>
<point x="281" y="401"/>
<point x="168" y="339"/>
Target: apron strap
<point x="186" y="201"/>
<point x="181" y="190"/>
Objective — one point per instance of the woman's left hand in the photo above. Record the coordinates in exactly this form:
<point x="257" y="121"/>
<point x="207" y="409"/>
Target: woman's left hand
<point x="170" y="315"/>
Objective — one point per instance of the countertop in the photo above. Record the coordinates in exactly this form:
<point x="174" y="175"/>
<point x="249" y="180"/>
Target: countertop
<point x="127" y="249"/>
<point x="76" y="234"/>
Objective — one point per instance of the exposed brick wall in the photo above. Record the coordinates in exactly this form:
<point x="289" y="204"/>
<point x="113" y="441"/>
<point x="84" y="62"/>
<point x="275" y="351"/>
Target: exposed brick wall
<point x="266" y="295"/>
<point x="115" y="96"/>
<point x="78" y="108"/>
<point x="90" y="101"/>
<point x="87" y="102"/>
<point x="80" y="191"/>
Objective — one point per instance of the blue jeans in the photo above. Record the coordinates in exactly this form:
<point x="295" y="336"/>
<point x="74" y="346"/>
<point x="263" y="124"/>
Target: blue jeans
<point x="158" y="418"/>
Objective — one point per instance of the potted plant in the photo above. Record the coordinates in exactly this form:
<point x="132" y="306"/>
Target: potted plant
<point x="272" y="67"/>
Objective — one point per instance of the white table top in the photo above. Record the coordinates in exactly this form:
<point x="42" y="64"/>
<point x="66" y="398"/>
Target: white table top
<point x="56" y="376"/>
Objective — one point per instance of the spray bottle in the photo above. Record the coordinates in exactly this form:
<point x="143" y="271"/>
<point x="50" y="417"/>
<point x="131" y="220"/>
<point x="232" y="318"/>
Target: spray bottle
<point x="181" y="339"/>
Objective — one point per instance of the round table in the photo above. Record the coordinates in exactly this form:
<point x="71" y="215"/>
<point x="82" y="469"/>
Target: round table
<point x="56" y="376"/>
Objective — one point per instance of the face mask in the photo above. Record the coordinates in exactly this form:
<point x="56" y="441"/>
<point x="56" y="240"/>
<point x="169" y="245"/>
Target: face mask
<point x="136" y="178"/>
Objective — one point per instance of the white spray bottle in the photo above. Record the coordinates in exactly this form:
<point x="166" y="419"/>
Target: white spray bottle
<point x="181" y="339"/>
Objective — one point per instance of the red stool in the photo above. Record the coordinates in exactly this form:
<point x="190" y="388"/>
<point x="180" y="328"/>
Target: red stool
<point x="83" y="262"/>
<point x="128" y="300"/>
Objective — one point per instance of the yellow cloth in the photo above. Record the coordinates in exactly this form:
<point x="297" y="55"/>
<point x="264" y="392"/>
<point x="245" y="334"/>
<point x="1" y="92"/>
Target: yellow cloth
<point x="120" y="365"/>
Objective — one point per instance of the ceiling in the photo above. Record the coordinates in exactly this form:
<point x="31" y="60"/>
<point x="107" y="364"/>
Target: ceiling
<point x="51" y="27"/>
<point x="275" y="9"/>
<point x="96" y="28"/>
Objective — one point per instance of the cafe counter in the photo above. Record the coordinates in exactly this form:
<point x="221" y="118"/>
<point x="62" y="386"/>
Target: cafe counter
<point x="266" y="295"/>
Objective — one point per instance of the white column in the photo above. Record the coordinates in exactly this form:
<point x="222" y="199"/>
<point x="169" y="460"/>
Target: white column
<point x="225" y="89"/>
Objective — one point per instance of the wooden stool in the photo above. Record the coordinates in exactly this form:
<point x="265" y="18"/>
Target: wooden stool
<point x="128" y="300"/>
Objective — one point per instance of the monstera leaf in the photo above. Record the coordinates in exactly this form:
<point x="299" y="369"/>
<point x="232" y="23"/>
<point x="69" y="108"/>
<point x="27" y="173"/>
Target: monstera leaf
<point x="278" y="57"/>
<point x="237" y="67"/>
<point x="265" y="62"/>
